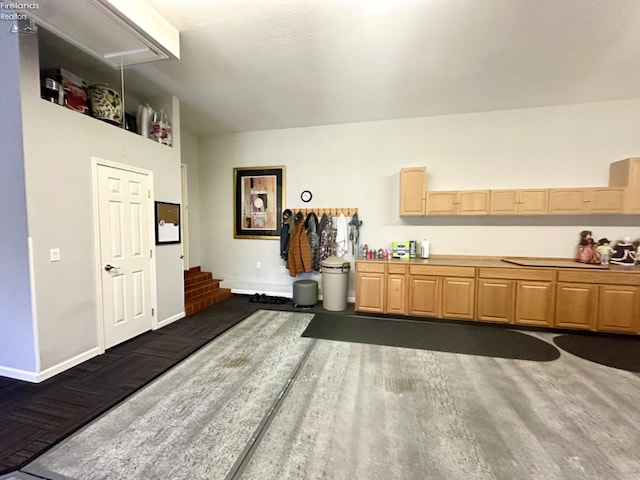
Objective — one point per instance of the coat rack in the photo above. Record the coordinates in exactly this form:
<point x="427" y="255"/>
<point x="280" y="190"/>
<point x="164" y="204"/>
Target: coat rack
<point x="334" y="212"/>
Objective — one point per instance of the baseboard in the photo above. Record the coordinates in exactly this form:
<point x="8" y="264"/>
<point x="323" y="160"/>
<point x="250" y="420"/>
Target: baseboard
<point x="167" y="321"/>
<point x="37" y="377"/>
<point x="240" y="291"/>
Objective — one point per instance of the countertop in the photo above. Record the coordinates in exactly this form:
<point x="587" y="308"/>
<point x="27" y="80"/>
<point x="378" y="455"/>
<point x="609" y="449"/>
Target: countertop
<point x="508" y="262"/>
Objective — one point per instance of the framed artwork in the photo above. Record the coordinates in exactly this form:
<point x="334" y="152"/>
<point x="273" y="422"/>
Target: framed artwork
<point x="258" y="202"/>
<point x="167" y="223"/>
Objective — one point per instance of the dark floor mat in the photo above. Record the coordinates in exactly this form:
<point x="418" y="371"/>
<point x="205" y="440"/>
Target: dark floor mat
<point x="622" y="353"/>
<point x="424" y="335"/>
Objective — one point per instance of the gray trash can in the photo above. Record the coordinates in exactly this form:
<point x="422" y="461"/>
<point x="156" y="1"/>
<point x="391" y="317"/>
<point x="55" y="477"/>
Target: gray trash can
<point x="335" y="283"/>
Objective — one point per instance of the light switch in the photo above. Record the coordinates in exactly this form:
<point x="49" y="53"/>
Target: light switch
<point x="54" y="254"/>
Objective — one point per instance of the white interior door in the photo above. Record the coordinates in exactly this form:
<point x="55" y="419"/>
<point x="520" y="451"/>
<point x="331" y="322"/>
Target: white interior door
<point x="125" y="253"/>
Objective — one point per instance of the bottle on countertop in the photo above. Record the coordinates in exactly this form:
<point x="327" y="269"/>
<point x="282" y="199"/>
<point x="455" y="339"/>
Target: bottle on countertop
<point x="424" y="249"/>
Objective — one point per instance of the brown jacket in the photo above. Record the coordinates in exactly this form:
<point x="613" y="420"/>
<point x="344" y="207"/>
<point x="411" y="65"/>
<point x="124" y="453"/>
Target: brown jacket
<point x="299" y="259"/>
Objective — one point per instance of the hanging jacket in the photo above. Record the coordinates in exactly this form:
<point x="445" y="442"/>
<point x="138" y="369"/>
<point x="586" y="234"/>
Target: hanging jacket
<point x="317" y="254"/>
<point x="299" y="259"/>
<point x="327" y="241"/>
<point x="311" y="229"/>
<point x="342" y="236"/>
<point x="285" y="233"/>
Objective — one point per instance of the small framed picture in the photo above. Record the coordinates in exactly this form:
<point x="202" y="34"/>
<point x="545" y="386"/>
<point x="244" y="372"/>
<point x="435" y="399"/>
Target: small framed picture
<point x="167" y="223"/>
<point x="258" y="202"/>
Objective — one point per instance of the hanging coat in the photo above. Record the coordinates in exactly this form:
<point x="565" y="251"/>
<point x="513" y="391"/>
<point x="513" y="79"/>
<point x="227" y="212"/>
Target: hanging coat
<point x="342" y="236"/>
<point x="327" y="240"/>
<point x="311" y="229"/>
<point x="299" y="259"/>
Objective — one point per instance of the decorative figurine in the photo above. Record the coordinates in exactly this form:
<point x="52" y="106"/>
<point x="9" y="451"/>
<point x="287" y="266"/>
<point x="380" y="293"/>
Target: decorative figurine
<point x="587" y="252"/>
<point x="624" y="252"/>
<point x="604" y="250"/>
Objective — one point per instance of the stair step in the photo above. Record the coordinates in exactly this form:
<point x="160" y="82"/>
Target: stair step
<point x="201" y="302"/>
<point x="201" y="288"/>
<point x="196" y="278"/>
<point x="191" y="271"/>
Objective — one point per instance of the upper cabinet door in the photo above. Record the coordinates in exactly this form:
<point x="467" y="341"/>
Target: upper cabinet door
<point x="442" y="203"/>
<point x="606" y="200"/>
<point x="568" y="200"/>
<point x="473" y="202"/>
<point x="412" y="190"/>
<point x="533" y="201"/>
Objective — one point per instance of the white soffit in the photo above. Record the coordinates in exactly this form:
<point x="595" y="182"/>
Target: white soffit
<point x="120" y="33"/>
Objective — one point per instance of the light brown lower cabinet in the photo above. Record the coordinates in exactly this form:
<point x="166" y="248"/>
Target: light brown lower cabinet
<point x="439" y="291"/>
<point x="381" y="288"/>
<point x="587" y="300"/>
<point x="592" y="301"/>
<point x="370" y="287"/>
<point x="520" y="296"/>
<point x="396" y="285"/>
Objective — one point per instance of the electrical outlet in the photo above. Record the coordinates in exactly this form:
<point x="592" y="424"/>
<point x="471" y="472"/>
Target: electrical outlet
<point x="258" y="265"/>
<point x="54" y="255"/>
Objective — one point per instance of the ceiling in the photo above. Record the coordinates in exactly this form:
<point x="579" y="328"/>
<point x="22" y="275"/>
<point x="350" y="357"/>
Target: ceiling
<point x="268" y="64"/>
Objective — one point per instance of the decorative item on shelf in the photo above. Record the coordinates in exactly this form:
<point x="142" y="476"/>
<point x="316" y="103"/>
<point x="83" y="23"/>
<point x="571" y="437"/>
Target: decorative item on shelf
<point x="605" y="250"/>
<point x="106" y="104"/>
<point x="143" y="119"/>
<point x="52" y="90"/>
<point x="74" y="88"/>
<point x="624" y="253"/>
<point x="587" y="252"/>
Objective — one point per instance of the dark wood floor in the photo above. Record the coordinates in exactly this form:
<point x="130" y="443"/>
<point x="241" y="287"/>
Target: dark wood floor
<point x="34" y="417"/>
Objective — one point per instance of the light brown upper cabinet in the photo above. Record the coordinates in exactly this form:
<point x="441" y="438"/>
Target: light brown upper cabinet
<point x="586" y="200"/>
<point x="412" y="190"/>
<point x="464" y="202"/>
<point x="626" y="173"/>
<point x="519" y="202"/>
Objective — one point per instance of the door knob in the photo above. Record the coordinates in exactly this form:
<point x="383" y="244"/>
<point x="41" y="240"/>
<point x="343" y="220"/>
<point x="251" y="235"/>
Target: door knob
<point x="108" y="267"/>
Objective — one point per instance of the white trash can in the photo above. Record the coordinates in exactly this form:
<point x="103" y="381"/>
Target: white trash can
<point x="335" y="283"/>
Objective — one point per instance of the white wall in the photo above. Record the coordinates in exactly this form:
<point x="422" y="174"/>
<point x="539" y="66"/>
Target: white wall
<point x="59" y="146"/>
<point x="190" y="157"/>
<point x="357" y="165"/>
<point x="17" y="336"/>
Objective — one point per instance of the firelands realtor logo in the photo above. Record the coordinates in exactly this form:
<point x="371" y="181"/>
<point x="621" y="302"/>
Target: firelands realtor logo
<point x="8" y="13"/>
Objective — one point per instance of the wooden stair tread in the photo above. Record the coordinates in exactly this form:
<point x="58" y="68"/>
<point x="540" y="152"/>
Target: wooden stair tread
<point x="201" y="290"/>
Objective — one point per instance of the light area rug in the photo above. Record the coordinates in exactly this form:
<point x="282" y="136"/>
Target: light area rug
<point x="340" y="410"/>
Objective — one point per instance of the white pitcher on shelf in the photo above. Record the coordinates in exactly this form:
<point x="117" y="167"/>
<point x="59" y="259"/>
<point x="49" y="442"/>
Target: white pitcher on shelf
<point x="143" y="119"/>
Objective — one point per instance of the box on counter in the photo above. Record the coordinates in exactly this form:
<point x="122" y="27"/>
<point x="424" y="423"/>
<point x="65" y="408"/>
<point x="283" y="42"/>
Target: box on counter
<point x="75" y="88"/>
<point x="399" y="249"/>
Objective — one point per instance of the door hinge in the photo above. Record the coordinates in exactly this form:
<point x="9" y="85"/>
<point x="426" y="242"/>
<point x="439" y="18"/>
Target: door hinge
<point x="148" y="193"/>
<point x="153" y="312"/>
<point x="150" y="253"/>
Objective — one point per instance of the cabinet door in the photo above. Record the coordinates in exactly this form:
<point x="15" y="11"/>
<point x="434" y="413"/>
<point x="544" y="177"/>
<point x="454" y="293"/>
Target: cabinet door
<point x="626" y="174"/>
<point x="396" y="294"/>
<point x="458" y="297"/>
<point x="534" y="303"/>
<point x="424" y="295"/>
<point x="606" y="200"/>
<point x="567" y="200"/>
<point x="503" y="202"/>
<point x="575" y="305"/>
<point x="412" y="191"/>
<point x="441" y="203"/>
<point x="533" y="202"/>
<point x="473" y="202"/>
<point x="495" y="300"/>
<point x="618" y="308"/>
<point x="370" y="292"/>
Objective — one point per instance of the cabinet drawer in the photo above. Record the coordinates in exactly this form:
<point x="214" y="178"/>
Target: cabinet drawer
<point x="442" y="270"/>
<point x="517" y="274"/>
<point x="370" y="267"/>
<point x="611" y="278"/>
<point x="397" y="269"/>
